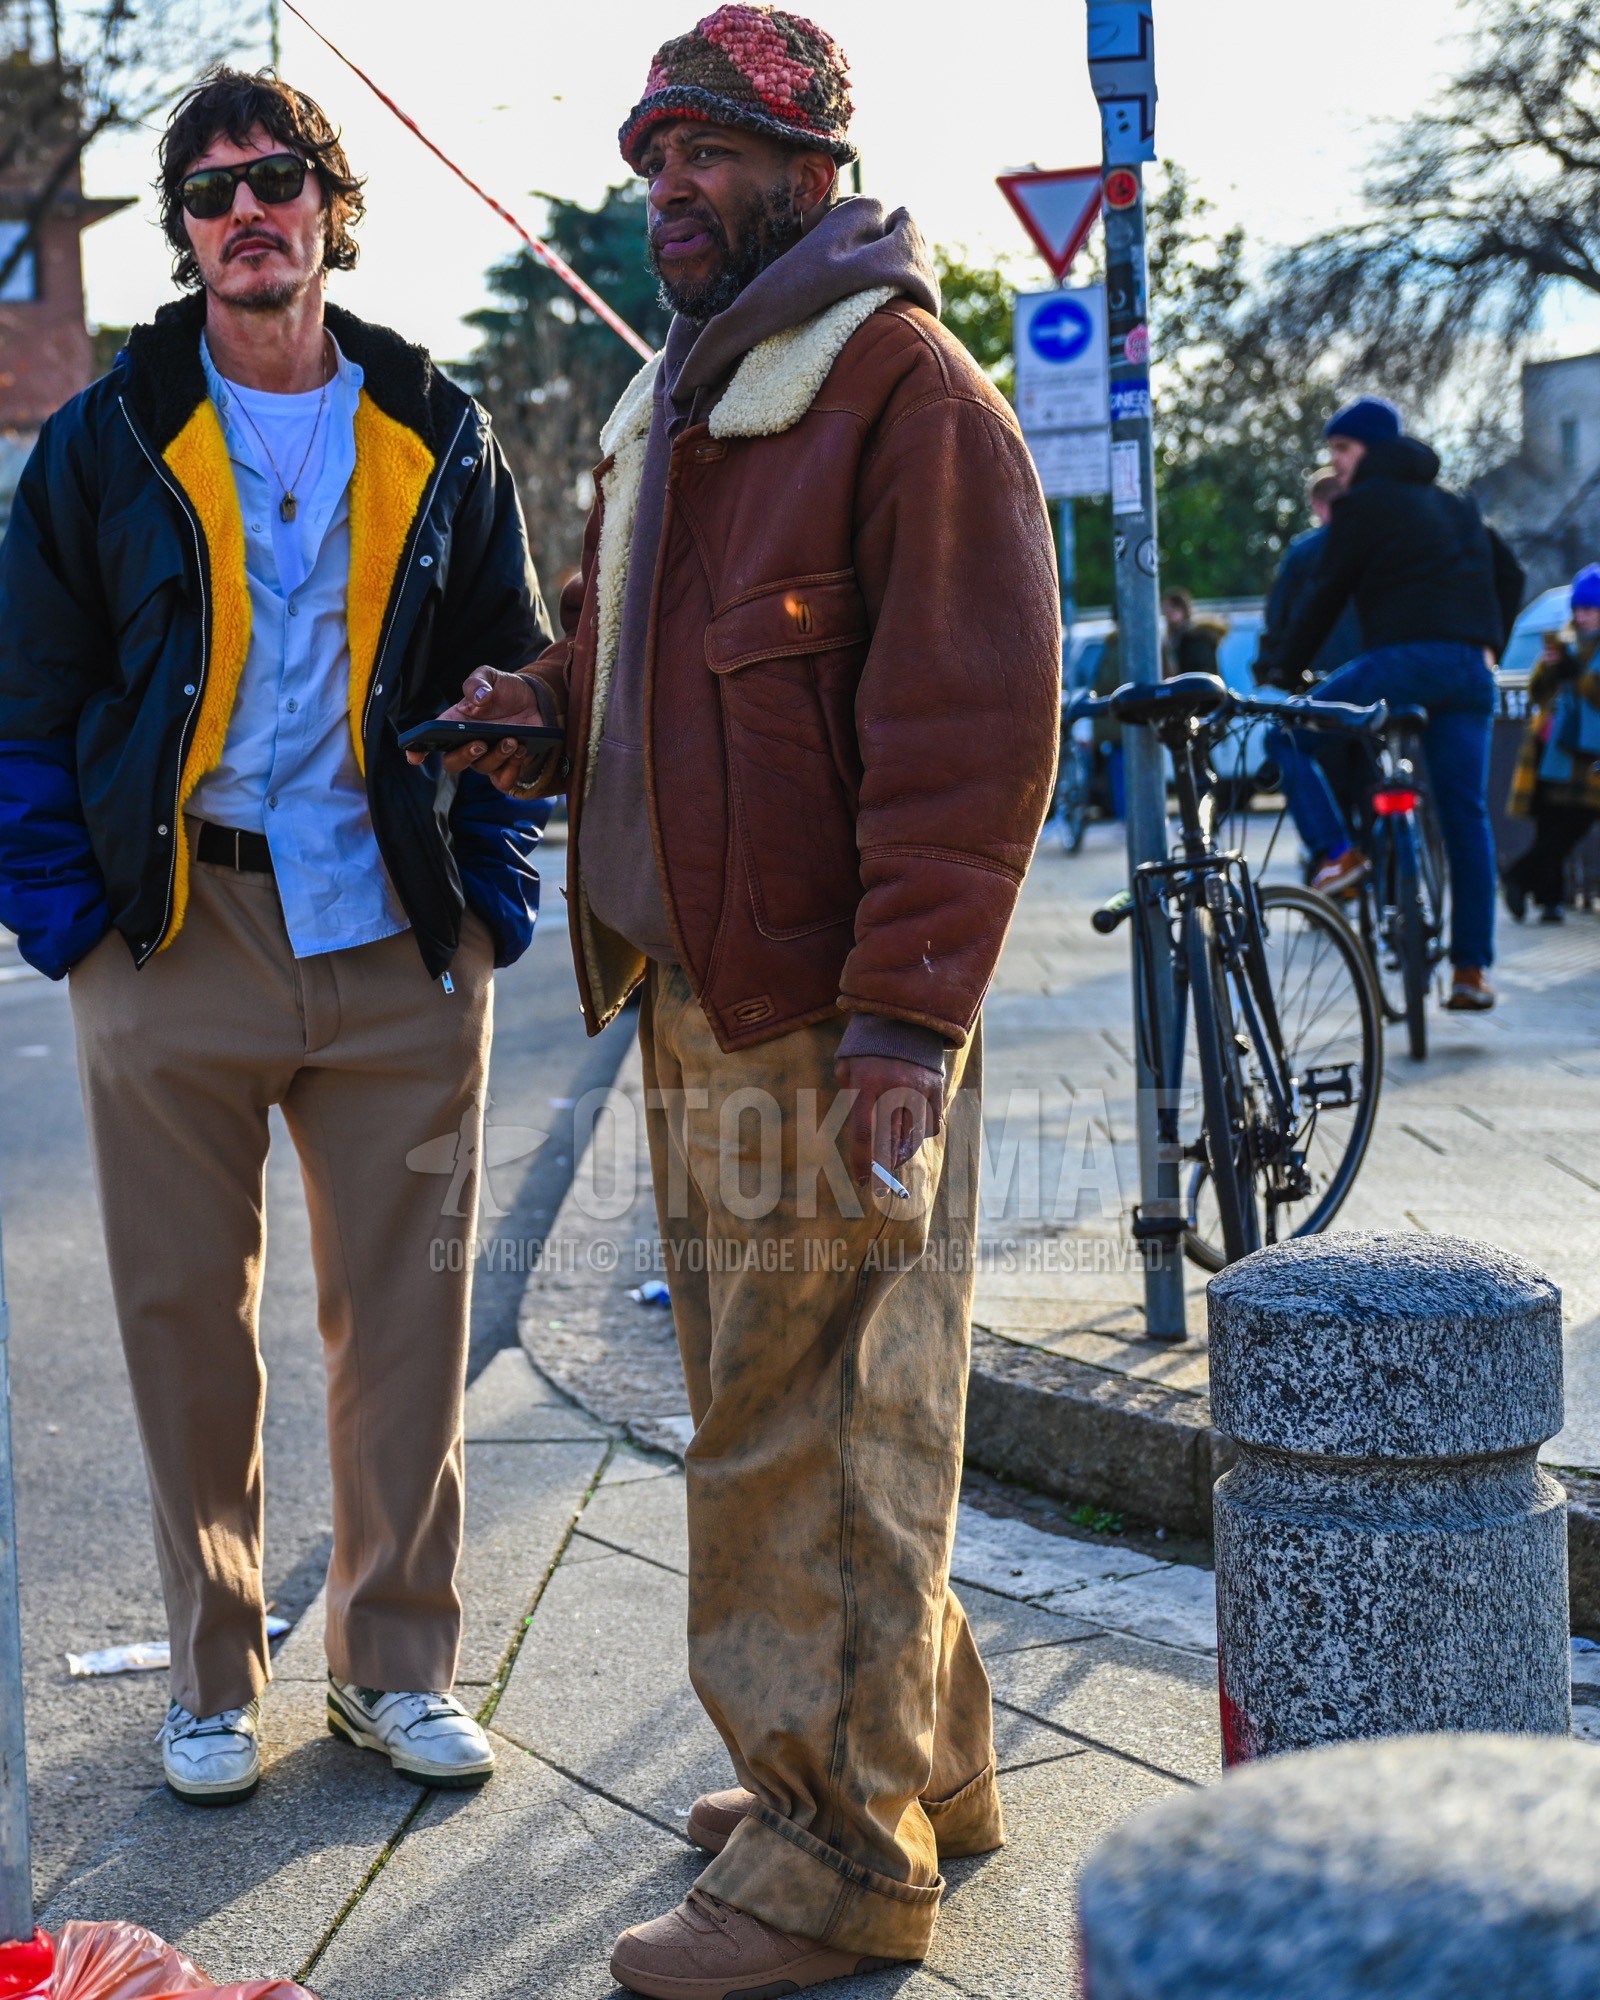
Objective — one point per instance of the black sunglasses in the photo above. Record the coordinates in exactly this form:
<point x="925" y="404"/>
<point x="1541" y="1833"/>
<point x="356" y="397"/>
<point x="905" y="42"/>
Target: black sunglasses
<point x="274" y="179"/>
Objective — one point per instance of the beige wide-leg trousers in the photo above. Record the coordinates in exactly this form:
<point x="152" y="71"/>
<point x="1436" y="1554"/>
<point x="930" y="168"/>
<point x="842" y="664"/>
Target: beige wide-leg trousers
<point x="369" y="1058"/>
<point x="826" y="1354"/>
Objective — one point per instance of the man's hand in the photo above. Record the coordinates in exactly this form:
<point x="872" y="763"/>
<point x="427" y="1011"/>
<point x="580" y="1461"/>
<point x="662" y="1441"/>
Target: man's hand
<point x="898" y="1105"/>
<point x="491" y="696"/>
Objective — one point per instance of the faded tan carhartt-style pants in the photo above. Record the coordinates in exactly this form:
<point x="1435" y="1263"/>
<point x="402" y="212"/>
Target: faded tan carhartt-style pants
<point x="826" y="1355"/>
<point x="369" y="1059"/>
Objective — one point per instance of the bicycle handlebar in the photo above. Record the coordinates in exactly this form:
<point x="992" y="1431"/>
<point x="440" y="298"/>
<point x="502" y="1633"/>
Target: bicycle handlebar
<point x="1204" y="696"/>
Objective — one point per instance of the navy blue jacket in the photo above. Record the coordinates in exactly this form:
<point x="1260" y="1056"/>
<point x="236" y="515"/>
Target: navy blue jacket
<point x="124" y="628"/>
<point x="1296" y="574"/>
<point x="1417" y="559"/>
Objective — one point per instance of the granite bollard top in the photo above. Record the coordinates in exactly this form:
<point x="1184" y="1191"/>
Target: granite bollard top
<point x="1416" y="1868"/>
<point x="1355" y="1345"/>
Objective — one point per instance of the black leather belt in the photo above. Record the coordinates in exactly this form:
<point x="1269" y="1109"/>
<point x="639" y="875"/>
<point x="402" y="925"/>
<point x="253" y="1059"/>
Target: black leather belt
<point x="231" y="847"/>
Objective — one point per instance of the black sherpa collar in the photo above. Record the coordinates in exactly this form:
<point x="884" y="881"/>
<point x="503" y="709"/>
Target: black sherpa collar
<point x="167" y="383"/>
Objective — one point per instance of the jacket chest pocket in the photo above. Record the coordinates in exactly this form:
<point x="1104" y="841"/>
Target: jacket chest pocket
<point x="787" y="660"/>
<point x="144" y="573"/>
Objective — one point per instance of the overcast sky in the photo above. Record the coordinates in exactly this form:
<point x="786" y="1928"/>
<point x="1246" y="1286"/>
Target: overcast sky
<point x="1272" y="104"/>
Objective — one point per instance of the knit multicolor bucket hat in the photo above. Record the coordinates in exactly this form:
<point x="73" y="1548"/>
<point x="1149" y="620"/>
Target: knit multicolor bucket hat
<point x="753" y="67"/>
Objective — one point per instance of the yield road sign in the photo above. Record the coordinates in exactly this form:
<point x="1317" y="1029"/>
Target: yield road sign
<point x="1062" y="378"/>
<point x="1057" y="208"/>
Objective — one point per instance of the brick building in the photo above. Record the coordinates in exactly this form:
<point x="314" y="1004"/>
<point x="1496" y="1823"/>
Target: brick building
<point x="46" y="354"/>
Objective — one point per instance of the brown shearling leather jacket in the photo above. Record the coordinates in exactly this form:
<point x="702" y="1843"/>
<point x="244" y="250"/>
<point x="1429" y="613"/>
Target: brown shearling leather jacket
<point x="852" y="692"/>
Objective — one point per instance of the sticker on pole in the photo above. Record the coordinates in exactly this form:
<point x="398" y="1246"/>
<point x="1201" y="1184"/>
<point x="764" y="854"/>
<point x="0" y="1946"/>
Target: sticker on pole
<point x="1127" y="482"/>
<point x="1122" y="188"/>
<point x="1058" y="209"/>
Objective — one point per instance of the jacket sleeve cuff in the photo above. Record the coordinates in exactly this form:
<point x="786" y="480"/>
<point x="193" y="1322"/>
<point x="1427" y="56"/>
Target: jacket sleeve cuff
<point x="898" y="1041"/>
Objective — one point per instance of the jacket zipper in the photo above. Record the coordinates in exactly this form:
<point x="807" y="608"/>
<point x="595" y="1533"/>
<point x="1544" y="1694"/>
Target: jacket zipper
<point x="201" y="674"/>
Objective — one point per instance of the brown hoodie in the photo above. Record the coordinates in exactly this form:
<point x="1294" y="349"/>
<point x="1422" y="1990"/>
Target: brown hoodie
<point x="852" y="247"/>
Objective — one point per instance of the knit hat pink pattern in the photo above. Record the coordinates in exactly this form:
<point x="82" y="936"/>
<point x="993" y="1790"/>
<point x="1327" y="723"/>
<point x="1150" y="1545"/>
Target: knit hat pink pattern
<point x="754" y="67"/>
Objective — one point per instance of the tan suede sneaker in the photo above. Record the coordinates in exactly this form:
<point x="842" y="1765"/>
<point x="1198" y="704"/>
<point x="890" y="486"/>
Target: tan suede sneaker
<point x="706" y="1950"/>
<point x="714" y="1815"/>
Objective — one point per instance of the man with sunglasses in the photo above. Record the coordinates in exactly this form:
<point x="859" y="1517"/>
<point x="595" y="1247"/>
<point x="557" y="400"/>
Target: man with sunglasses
<point x="238" y="566"/>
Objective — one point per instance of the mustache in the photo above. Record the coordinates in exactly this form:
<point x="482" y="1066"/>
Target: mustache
<point x="257" y="238"/>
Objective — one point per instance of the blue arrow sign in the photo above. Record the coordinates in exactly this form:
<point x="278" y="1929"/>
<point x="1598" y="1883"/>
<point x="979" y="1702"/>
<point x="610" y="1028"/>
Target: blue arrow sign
<point x="1060" y="331"/>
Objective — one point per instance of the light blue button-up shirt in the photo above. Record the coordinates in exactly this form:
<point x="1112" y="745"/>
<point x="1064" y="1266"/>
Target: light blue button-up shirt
<point x="288" y="767"/>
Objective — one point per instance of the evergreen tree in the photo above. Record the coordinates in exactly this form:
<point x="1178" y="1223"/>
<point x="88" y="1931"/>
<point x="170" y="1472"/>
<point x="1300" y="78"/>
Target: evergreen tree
<point x="549" y="372"/>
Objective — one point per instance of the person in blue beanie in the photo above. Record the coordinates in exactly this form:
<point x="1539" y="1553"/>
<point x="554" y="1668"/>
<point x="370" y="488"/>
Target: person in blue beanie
<point x="1559" y="792"/>
<point x="1436" y="592"/>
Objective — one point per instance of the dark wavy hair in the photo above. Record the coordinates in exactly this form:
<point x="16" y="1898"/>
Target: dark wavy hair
<point x="230" y="104"/>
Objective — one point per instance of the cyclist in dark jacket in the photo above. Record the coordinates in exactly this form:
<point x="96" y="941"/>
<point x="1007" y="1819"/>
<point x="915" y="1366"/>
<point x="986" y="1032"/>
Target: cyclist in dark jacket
<point x="1297" y="574"/>
<point x="1436" y="592"/>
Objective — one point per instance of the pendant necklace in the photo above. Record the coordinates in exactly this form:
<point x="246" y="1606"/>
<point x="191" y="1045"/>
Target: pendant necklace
<point x="289" y="505"/>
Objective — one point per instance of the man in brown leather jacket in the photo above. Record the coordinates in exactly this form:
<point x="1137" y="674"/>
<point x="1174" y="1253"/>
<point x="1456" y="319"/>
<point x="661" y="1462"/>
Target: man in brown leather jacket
<point x="810" y="683"/>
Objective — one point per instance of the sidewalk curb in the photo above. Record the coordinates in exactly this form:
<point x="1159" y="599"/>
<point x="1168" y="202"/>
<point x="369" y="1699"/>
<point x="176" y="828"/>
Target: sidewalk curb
<point x="1062" y="1426"/>
<point x="1084" y="1433"/>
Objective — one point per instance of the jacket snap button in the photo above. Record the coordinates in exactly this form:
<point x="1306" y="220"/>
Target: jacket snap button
<point x="162" y="831"/>
<point x="468" y="463"/>
<point x="427" y="562"/>
<point x="188" y="690"/>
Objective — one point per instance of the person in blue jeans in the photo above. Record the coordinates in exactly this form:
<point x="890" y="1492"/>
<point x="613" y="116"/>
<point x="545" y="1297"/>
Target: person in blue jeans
<point x="1436" y="592"/>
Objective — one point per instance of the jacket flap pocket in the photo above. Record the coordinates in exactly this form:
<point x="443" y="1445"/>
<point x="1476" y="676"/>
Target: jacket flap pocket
<point x="808" y="615"/>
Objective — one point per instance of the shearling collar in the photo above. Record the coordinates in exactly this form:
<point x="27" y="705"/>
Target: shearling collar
<point x="773" y="386"/>
<point x="166" y="381"/>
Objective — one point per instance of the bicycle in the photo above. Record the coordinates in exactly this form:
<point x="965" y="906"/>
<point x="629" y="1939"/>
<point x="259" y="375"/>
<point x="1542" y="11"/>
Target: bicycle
<point x="1273" y="993"/>
<point x="1400" y="902"/>
<point x="1069" y="816"/>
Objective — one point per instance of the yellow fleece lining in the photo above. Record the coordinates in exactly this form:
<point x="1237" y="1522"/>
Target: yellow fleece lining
<point x="198" y="459"/>
<point x="393" y="467"/>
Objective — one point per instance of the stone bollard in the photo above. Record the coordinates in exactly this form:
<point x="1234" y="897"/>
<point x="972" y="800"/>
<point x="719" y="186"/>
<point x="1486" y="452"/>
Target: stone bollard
<point x="1390" y="1558"/>
<point x="1426" y="1868"/>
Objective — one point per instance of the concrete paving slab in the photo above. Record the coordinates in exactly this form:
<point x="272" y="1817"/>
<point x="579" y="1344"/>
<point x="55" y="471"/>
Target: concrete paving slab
<point x="601" y="1687"/>
<point x="627" y="1464"/>
<point x="1175" y="1607"/>
<point x="511" y="1402"/>
<point x="1003" y="1625"/>
<point x="1008" y="1927"/>
<point x="518" y="1890"/>
<point x="250" y="1892"/>
<point x="1153" y="1703"/>
<point x="1015" y="1559"/>
<point x="642" y="1517"/>
<point x="521" y="1500"/>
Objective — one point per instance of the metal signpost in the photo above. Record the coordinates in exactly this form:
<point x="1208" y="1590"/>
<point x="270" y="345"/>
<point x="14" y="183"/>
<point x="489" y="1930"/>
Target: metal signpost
<point x="16" y="1886"/>
<point x="1122" y="70"/>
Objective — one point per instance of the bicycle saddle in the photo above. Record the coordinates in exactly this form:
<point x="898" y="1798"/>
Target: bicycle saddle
<point x="1408" y="718"/>
<point x="1169" y="701"/>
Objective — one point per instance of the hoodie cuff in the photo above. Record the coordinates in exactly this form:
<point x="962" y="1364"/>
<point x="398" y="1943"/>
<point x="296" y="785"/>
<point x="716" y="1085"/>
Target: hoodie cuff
<point x="898" y="1041"/>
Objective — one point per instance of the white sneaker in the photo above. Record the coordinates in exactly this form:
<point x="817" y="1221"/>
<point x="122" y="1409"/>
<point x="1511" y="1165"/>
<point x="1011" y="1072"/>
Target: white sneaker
<point x="212" y="1760"/>
<point x="429" y="1737"/>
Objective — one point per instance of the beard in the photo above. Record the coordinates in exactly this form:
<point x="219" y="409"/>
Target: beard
<point x="767" y="226"/>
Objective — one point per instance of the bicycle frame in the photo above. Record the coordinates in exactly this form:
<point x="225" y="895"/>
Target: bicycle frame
<point x="1169" y="893"/>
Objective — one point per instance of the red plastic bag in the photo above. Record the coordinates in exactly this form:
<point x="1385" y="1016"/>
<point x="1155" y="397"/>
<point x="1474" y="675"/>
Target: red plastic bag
<point x="121" y="1961"/>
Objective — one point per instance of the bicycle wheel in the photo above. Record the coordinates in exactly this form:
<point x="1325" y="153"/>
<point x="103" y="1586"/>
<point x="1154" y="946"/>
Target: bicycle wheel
<point x="1226" y="1134"/>
<point x="1331" y="1026"/>
<point x="1411" y="941"/>
<point x="1071" y="814"/>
